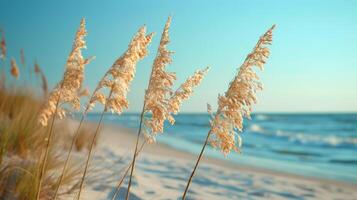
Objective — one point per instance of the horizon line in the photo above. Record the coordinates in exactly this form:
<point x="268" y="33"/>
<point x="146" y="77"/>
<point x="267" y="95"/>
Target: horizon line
<point x="253" y="113"/>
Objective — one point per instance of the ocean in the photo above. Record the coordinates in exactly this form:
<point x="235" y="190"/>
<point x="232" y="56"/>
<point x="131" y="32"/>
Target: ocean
<point x="314" y="145"/>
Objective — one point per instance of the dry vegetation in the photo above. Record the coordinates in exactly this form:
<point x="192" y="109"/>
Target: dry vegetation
<point x="35" y="146"/>
<point x="23" y="139"/>
<point x="22" y="143"/>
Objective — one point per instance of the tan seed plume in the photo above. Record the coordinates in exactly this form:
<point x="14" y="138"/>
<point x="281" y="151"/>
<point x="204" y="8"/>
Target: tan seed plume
<point x="184" y="92"/>
<point x="44" y="82"/>
<point x="160" y="100"/>
<point x="66" y="90"/>
<point x="117" y="80"/>
<point x="239" y="98"/>
<point x="83" y="92"/>
<point x="119" y="76"/>
<point x="22" y="55"/>
<point x="159" y="89"/>
<point x="3" y="46"/>
<point x="14" y="69"/>
<point x="37" y="68"/>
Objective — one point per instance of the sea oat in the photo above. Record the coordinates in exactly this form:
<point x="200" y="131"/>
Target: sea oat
<point x="117" y="80"/>
<point x="157" y="99"/>
<point x="120" y="75"/>
<point x="184" y="92"/>
<point x="22" y="55"/>
<point x="44" y="84"/>
<point x="37" y="68"/>
<point x="160" y="101"/>
<point x="14" y="69"/>
<point x="66" y="90"/>
<point x="235" y="104"/>
<point x="159" y="89"/>
<point x="239" y="98"/>
<point x="3" y="46"/>
<point x="83" y="92"/>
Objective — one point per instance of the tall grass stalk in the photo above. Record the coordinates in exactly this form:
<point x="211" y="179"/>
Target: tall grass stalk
<point x="117" y="79"/>
<point x="126" y="172"/>
<point x="135" y="151"/>
<point x="196" y="165"/>
<point x="159" y="63"/>
<point x="44" y="160"/>
<point x="68" y="157"/>
<point x="3" y="75"/>
<point x="159" y="99"/>
<point x="91" y="147"/>
<point x="236" y="104"/>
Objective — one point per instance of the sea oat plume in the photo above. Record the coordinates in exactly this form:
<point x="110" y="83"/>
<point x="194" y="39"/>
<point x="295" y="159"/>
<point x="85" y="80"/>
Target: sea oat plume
<point x="159" y="89"/>
<point x="66" y="90"/>
<point x="14" y="69"/>
<point x="239" y="98"/>
<point x="44" y="84"/>
<point x="3" y="46"/>
<point x="120" y="75"/>
<point x="83" y="92"/>
<point x="184" y="92"/>
<point x="37" y="69"/>
<point x="22" y="55"/>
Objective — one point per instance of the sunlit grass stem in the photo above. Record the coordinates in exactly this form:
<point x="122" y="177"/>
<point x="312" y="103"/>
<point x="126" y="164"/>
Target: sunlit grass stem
<point x="126" y="173"/>
<point x="91" y="147"/>
<point x="44" y="161"/>
<point x="135" y="152"/>
<point x="68" y="157"/>
<point x="196" y="165"/>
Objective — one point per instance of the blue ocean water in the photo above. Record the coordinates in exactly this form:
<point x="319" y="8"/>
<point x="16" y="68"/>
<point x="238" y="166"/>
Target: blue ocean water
<point x="316" y="145"/>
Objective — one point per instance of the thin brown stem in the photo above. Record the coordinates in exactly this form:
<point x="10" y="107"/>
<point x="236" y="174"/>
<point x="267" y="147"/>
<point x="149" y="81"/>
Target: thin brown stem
<point x="194" y="169"/>
<point x="126" y="173"/>
<point x="68" y="157"/>
<point x="44" y="161"/>
<point x="90" y="154"/>
<point x="91" y="147"/>
<point x="135" y="152"/>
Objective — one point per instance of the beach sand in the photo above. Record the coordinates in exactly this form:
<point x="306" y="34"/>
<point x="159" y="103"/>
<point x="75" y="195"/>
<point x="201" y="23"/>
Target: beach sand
<point x="162" y="172"/>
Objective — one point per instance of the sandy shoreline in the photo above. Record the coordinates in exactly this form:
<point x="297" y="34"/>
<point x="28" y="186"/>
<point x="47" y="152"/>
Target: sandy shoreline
<point x="162" y="172"/>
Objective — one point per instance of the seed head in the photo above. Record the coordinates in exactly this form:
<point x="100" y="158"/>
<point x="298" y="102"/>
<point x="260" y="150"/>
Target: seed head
<point x="3" y="46"/>
<point x="239" y="98"/>
<point x="184" y="92"/>
<point x="119" y="76"/>
<point x="14" y="69"/>
<point x="66" y="91"/>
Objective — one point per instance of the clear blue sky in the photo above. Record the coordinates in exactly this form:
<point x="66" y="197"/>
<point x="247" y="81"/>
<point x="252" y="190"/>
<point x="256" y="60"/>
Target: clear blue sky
<point x="313" y="67"/>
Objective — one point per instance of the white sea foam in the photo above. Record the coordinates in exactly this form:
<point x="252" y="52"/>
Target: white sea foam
<point x="332" y="140"/>
<point x="256" y="128"/>
<point x="261" y="117"/>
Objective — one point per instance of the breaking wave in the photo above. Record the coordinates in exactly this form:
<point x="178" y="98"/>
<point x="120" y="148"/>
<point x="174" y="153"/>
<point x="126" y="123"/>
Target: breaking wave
<point x="304" y="138"/>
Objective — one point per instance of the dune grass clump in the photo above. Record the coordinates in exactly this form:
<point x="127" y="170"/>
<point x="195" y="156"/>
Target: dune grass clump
<point x="21" y="143"/>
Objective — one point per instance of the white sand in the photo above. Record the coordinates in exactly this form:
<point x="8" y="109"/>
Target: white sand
<point x="162" y="172"/>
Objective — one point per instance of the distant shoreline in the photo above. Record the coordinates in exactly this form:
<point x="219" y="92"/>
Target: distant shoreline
<point x="254" y="113"/>
<point x="167" y="150"/>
